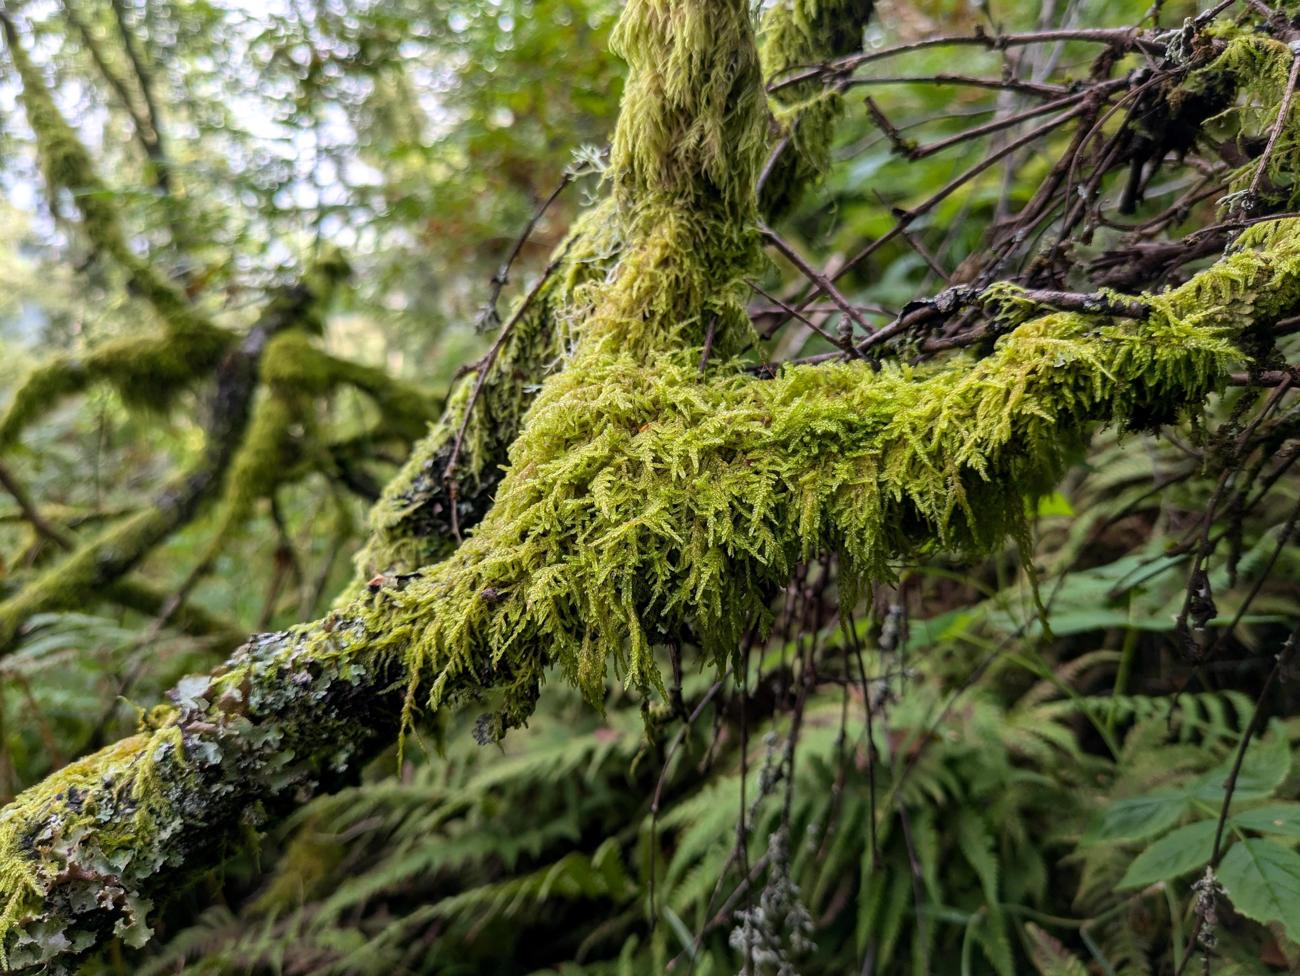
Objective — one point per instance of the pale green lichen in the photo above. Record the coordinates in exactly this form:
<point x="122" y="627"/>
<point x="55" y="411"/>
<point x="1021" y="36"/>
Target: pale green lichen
<point x="84" y="854"/>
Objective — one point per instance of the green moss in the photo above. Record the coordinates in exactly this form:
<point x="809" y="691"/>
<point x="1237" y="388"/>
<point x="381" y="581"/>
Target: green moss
<point x="645" y="503"/>
<point x="146" y="371"/>
<point x="795" y="35"/>
<point x="1249" y="81"/>
<point x="411" y="526"/>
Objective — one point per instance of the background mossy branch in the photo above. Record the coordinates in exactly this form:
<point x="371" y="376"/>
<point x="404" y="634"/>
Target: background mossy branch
<point x="67" y="168"/>
<point x="106" y="559"/>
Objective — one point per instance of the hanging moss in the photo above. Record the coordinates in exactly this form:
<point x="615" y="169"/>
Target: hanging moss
<point x="796" y="35"/>
<point x="1247" y="83"/>
<point x="411" y="526"/>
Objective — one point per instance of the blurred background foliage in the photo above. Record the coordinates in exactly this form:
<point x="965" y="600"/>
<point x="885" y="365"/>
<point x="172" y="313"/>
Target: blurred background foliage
<point x="966" y="786"/>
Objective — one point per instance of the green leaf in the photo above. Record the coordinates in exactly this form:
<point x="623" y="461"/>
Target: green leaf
<point x="1267" y="764"/>
<point x="1139" y="817"/>
<point x="1054" y="504"/>
<point x="1186" y="849"/>
<point x="1049" y="956"/>
<point x="1282" y="819"/>
<point x="1263" y="880"/>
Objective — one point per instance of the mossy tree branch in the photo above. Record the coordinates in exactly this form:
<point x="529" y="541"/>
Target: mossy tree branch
<point x="731" y="481"/>
<point x="107" y="558"/>
<point x="412" y="525"/>
<point x="644" y="503"/>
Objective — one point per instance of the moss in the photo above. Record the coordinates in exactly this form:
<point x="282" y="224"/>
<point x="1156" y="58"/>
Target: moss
<point x="146" y="371"/>
<point x="411" y="526"/>
<point x="1248" y="82"/>
<point x="796" y="34"/>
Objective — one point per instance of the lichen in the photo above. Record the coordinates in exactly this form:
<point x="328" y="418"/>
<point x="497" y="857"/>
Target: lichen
<point x="85" y="854"/>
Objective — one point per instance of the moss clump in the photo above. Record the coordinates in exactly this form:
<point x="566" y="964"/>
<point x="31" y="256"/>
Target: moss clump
<point x="797" y="34"/>
<point x="644" y="504"/>
<point x="411" y="526"/>
<point x="1247" y="82"/>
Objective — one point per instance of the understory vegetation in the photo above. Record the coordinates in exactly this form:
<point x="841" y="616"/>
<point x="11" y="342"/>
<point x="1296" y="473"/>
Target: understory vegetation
<point x="777" y="489"/>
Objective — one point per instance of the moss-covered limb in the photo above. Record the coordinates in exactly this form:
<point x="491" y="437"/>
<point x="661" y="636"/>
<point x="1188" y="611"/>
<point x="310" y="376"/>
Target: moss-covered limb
<point x="67" y="167"/>
<point x="284" y="442"/>
<point x="643" y="504"/>
<point x="146" y="371"/>
<point x="796" y="34"/>
<point x="115" y="552"/>
<point x="411" y="526"/>
<point x="86" y="854"/>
